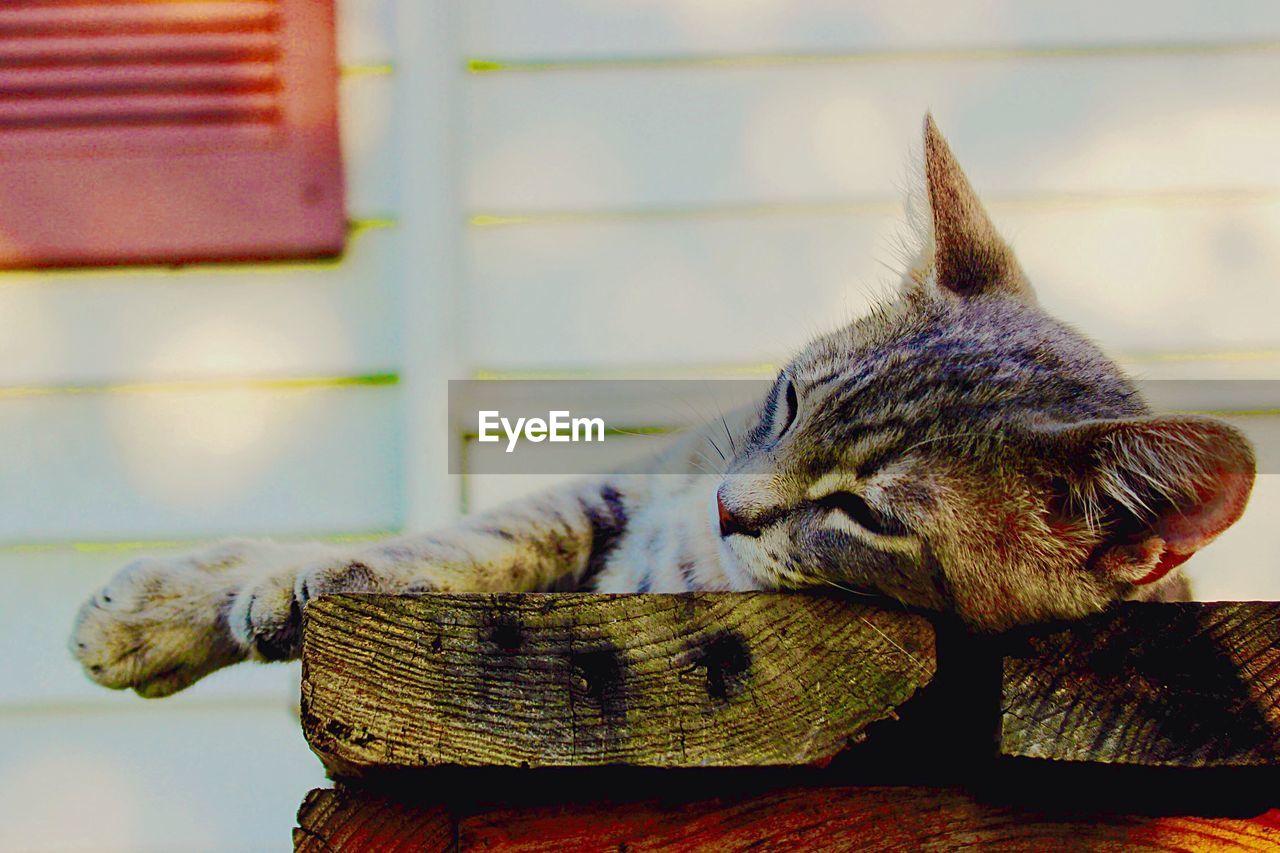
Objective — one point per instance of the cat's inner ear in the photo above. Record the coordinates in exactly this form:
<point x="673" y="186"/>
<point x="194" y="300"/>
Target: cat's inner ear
<point x="969" y="258"/>
<point x="1157" y="488"/>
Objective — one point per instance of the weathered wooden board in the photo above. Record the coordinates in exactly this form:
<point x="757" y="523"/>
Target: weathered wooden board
<point x="835" y="818"/>
<point x="695" y="680"/>
<point x="866" y="819"/>
<point x="1192" y="685"/>
<point x="331" y="820"/>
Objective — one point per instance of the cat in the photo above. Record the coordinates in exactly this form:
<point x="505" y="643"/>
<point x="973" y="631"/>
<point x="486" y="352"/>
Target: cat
<point x="956" y="449"/>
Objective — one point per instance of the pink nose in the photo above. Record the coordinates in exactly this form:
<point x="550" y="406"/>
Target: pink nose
<point x="730" y="523"/>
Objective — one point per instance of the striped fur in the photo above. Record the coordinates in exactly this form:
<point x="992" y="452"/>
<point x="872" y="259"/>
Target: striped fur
<point x="956" y="449"/>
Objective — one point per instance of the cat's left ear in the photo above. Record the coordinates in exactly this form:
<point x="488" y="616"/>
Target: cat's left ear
<point x="969" y="257"/>
<point x="1158" y="488"/>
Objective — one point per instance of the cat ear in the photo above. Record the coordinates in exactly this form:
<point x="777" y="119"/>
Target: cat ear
<point x="1159" y="487"/>
<point x="969" y="258"/>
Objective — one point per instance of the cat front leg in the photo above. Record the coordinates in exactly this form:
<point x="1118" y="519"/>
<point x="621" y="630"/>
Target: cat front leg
<point x="161" y="624"/>
<point x="558" y="540"/>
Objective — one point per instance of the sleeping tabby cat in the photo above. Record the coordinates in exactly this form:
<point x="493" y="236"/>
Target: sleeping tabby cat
<point x="957" y="449"/>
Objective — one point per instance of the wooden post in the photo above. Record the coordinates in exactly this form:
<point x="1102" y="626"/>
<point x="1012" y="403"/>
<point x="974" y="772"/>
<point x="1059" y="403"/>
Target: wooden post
<point x="696" y="680"/>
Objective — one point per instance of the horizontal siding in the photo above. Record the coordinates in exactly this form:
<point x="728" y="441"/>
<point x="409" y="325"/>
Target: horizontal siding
<point x="705" y="136"/>
<point x="107" y="326"/>
<point x="366" y="32"/>
<point x="45" y="588"/>
<point x="723" y="290"/>
<point x="225" y="448"/>
<point x="214" y="461"/>
<point x="541" y="29"/>
<point x="666" y="292"/>
<point x="156" y="779"/>
<point x="486" y="491"/>
<point x="368" y="127"/>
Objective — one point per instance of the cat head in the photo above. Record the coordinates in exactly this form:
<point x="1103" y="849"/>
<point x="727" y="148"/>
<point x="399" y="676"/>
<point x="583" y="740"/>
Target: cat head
<point x="961" y="450"/>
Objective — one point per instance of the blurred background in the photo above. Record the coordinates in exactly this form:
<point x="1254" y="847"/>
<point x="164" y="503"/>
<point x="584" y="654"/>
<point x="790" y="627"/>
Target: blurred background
<point x="559" y="188"/>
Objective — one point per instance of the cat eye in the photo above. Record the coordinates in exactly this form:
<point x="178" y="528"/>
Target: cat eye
<point x="863" y="514"/>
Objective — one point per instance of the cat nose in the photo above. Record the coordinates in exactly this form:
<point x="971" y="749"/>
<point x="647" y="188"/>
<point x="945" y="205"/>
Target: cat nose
<point x="730" y="523"/>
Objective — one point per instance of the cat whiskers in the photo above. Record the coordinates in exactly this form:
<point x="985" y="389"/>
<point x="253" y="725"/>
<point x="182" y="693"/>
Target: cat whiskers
<point x="872" y="625"/>
<point x="933" y="438"/>
<point x="891" y="641"/>
<point x="728" y="435"/>
<point x="706" y="463"/>
<point x="850" y="589"/>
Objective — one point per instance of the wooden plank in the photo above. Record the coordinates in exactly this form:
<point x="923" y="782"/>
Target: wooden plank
<point x="1193" y="685"/>
<point x="582" y="680"/>
<point x="662" y="138"/>
<point x="395" y="683"/>
<point x="559" y="29"/>
<point x="568" y="295"/>
<point x="845" y="818"/>
<point x="331" y="820"/>
<point x="804" y="817"/>
<point x="200" y="462"/>
<point x="104" y="326"/>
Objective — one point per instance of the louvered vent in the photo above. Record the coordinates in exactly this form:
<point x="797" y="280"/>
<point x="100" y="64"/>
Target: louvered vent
<point x="197" y="85"/>
<point x="102" y="66"/>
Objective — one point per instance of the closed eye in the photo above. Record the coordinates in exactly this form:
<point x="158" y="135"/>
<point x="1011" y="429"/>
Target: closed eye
<point x="792" y="403"/>
<point x="863" y="514"/>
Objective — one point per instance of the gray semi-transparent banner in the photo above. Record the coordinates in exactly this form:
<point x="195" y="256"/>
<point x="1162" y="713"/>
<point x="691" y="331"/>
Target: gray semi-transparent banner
<point x="615" y="426"/>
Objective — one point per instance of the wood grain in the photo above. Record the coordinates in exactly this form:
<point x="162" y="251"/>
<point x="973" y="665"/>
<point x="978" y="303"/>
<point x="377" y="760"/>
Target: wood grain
<point x="865" y="819"/>
<point x="832" y="818"/>
<point x="330" y="820"/>
<point x="1191" y="685"/>
<point x="696" y="680"/>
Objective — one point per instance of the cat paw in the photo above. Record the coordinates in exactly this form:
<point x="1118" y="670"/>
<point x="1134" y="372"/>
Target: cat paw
<point x="160" y="624"/>
<point x="266" y="618"/>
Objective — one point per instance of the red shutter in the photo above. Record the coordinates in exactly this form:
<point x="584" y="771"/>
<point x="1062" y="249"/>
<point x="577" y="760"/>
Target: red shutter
<point x="168" y="131"/>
